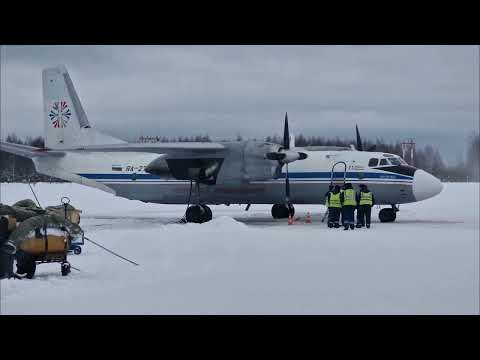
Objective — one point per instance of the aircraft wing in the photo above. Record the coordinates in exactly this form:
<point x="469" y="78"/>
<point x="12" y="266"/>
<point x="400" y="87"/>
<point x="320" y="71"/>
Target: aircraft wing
<point x="195" y="149"/>
<point x="27" y="151"/>
<point x="172" y="148"/>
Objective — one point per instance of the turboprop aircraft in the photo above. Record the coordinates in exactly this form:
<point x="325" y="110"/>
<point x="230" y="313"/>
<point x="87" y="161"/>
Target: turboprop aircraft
<point x="199" y="174"/>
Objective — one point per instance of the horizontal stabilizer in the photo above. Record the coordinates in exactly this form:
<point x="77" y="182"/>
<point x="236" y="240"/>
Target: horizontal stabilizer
<point x="27" y="151"/>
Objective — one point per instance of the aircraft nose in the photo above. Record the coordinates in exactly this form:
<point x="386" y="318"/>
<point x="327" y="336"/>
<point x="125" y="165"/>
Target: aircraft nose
<point x="425" y="185"/>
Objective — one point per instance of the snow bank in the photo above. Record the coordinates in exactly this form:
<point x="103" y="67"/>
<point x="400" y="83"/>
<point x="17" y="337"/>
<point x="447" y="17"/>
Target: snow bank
<point x="246" y="263"/>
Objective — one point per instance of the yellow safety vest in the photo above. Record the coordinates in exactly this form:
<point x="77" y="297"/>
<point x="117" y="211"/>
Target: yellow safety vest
<point x="335" y="200"/>
<point x="366" y="198"/>
<point x="349" y="197"/>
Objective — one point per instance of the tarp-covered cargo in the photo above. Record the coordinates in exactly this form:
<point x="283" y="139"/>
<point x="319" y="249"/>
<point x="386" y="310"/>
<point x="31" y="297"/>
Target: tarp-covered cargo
<point x="20" y="213"/>
<point x="29" y="236"/>
<point x="73" y="214"/>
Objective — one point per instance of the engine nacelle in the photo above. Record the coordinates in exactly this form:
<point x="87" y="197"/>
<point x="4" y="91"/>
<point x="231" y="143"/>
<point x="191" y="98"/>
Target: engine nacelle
<point x="246" y="161"/>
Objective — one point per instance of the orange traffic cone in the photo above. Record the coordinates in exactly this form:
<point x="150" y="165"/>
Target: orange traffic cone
<point x="290" y="219"/>
<point x="308" y="219"/>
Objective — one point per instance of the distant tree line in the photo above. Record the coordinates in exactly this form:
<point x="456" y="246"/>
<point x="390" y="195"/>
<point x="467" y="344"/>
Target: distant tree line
<point x="16" y="168"/>
<point x="163" y="139"/>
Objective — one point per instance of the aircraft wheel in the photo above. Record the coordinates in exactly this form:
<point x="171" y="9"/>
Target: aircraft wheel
<point x="198" y="214"/>
<point x="77" y="250"/>
<point x="208" y="213"/>
<point x="387" y="215"/>
<point x="281" y="211"/>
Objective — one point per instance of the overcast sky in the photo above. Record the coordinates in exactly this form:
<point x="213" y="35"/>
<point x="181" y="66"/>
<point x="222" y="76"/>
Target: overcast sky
<point x="430" y="93"/>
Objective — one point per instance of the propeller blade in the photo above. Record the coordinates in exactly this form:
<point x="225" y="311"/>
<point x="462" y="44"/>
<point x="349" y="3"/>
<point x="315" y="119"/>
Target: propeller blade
<point x="286" y="134"/>
<point x="287" y="186"/>
<point x="359" y="140"/>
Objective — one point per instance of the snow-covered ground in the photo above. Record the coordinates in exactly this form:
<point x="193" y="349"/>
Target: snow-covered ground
<point x="427" y="262"/>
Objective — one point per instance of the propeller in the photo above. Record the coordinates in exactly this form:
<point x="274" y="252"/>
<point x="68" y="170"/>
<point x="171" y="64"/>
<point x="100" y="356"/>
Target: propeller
<point x="286" y="134"/>
<point x="359" y="139"/>
<point x="359" y="142"/>
<point x="286" y="146"/>
<point x="284" y="156"/>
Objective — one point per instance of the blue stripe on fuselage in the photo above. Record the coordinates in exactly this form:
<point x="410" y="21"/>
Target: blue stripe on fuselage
<point x="292" y="175"/>
<point x="339" y="175"/>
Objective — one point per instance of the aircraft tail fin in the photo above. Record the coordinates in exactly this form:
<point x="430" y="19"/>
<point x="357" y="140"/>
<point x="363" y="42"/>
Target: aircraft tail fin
<point x="65" y="122"/>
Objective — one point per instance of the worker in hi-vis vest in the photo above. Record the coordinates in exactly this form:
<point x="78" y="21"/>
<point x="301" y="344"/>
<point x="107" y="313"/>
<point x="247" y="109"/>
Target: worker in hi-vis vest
<point x="349" y="203"/>
<point x="342" y="189"/>
<point x="330" y="188"/>
<point x="365" y="202"/>
<point x="334" y="207"/>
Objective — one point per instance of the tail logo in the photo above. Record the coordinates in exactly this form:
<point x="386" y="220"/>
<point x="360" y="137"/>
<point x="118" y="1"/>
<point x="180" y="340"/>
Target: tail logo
<point x="60" y="114"/>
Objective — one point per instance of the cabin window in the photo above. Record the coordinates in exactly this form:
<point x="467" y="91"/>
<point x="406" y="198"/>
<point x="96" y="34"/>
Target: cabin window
<point x="394" y="161"/>
<point x="373" y="162"/>
<point x="383" y="162"/>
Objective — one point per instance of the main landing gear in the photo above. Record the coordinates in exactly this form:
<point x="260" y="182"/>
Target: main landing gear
<point x="282" y="211"/>
<point x="388" y="215"/>
<point x="198" y="214"/>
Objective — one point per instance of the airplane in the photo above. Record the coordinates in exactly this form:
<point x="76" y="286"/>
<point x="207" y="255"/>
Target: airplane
<point x="204" y="173"/>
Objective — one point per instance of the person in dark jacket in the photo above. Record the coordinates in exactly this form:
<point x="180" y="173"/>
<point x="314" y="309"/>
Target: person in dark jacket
<point x="365" y="201"/>
<point x="334" y="207"/>
<point x="349" y="203"/>
<point x="6" y="258"/>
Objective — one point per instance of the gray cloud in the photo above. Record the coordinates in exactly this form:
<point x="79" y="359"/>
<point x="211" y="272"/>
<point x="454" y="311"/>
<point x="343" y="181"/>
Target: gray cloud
<point x="429" y="92"/>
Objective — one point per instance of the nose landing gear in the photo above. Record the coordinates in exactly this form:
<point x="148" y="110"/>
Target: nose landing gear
<point x="388" y="215"/>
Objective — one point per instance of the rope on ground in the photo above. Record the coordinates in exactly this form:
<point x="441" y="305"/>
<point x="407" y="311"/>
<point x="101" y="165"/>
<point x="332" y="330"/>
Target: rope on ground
<point x="110" y="251"/>
<point x="73" y="267"/>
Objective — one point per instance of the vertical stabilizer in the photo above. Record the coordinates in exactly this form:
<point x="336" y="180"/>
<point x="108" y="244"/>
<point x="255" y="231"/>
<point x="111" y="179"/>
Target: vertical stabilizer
<point x="65" y="122"/>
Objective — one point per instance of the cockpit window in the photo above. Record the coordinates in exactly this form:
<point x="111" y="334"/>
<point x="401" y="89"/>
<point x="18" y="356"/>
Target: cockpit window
<point x="383" y="162"/>
<point x="394" y="161"/>
<point x="373" y="162"/>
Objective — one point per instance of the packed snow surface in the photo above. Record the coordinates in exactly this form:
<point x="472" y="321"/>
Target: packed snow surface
<point x="427" y="262"/>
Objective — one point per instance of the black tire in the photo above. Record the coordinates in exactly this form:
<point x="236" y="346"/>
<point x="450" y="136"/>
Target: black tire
<point x="278" y="211"/>
<point x="77" y="250"/>
<point x="387" y="215"/>
<point x="208" y="213"/>
<point x="197" y="214"/>
<point x="282" y="211"/>
<point x="26" y="264"/>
